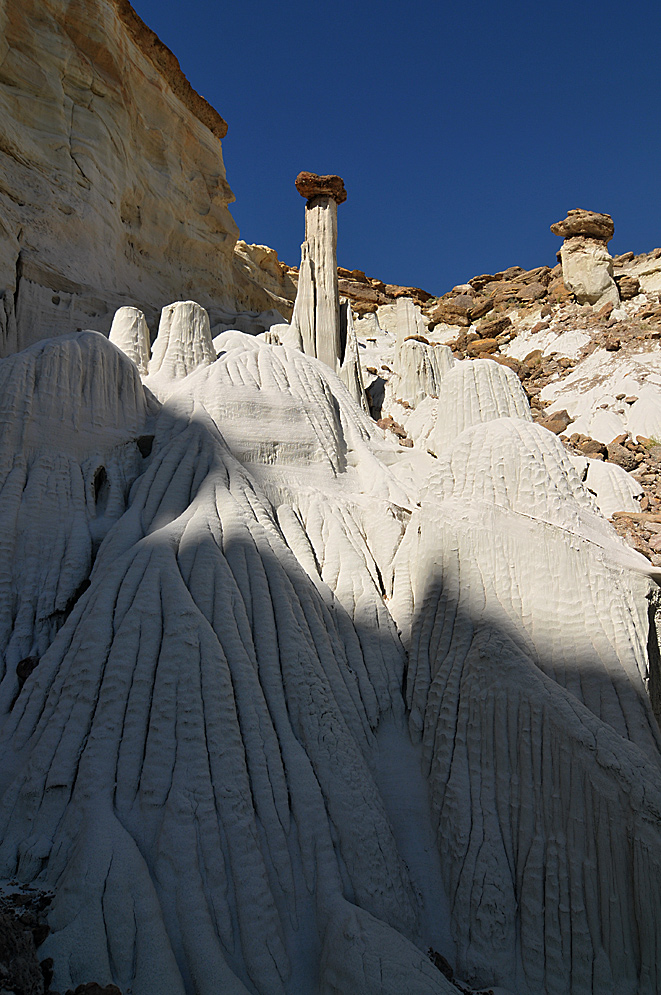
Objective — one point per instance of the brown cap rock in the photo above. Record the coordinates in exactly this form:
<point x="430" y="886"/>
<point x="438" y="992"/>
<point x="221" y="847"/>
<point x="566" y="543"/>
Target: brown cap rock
<point x="310" y="185"/>
<point x="588" y="223"/>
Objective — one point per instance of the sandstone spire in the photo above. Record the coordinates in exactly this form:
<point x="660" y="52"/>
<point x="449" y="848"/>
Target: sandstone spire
<point x="317" y="309"/>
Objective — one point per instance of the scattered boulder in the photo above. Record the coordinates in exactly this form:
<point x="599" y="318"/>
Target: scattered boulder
<point x="622" y="456"/>
<point x="556" y="422"/>
<point x="532" y="292"/>
<point x="594" y="448"/>
<point x="482" y="347"/>
<point x="492" y="327"/>
<point x="456" y="311"/>
<point x="628" y="286"/>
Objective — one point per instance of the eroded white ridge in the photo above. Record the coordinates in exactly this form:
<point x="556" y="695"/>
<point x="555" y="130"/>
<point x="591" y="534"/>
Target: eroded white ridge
<point x="71" y="409"/>
<point x="198" y="763"/>
<point x="129" y="332"/>
<point x="473" y="392"/>
<point x="421" y="368"/>
<point x="189" y="765"/>
<point x="183" y="343"/>
<point x="526" y="685"/>
<point x="613" y="488"/>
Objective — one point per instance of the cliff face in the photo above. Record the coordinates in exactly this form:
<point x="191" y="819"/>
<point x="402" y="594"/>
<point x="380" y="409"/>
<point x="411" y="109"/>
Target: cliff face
<point x="112" y="182"/>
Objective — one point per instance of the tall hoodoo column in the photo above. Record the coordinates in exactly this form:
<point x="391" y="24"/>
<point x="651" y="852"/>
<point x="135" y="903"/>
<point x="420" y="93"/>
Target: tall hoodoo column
<point x="317" y="308"/>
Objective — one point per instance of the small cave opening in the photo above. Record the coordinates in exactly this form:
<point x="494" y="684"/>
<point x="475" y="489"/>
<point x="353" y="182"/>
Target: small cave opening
<point x="101" y="487"/>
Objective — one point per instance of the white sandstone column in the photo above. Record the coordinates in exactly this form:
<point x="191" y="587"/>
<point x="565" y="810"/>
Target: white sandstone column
<point x="317" y="307"/>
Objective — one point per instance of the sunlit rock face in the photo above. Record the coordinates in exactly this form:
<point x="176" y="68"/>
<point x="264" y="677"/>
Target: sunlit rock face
<point x="107" y="150"/>
<point x="305" y="705"/>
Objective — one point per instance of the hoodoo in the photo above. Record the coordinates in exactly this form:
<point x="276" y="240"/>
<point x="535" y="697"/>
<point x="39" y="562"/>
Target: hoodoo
<point x="587" y="266"/>
<point x="317" y="311"/>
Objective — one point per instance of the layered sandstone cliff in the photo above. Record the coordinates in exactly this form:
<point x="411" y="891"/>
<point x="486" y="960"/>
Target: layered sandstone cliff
<point x="112" y="182"/>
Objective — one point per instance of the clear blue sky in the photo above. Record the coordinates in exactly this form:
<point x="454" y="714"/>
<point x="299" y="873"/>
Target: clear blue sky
<point x="462" y="130"/>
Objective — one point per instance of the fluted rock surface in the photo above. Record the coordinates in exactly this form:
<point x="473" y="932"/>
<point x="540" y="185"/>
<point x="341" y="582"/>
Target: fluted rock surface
<point x="301" y="708"/>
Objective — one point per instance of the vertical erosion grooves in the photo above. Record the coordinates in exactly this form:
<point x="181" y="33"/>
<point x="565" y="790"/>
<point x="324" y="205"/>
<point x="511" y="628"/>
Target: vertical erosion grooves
<point x="526" y="686"/>
<point x="189" y="766"/>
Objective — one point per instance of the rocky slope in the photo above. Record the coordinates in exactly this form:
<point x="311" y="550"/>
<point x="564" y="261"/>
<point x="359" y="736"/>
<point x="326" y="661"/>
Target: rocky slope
<point x="112" y="183"/>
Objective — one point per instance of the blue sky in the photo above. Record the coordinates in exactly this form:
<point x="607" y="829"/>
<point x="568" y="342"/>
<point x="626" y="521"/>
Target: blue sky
<point x="462" y="130"/>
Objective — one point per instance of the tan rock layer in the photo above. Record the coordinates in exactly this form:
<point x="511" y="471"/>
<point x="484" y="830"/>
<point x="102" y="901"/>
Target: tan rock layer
<point x="168" y="65"/>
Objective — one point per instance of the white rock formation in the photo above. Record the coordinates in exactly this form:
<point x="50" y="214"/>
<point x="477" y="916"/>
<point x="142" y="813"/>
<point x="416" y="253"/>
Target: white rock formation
<point x="587" y="270"/>
<point x="129" y="332"/>
<point x="183" y="343"/>
<point x="614" y="489"/>
<point x="473" y="392"/>
<point x="550" y="341"/>
<point x="420" y="368"/>
<point x="351" y="373"/>
<point x="590" y="395"/>
<point x="316" y="314"/>
<point x="209" y="757"/>
<point x="408" y="322"/>
<point x="587" y="266"/>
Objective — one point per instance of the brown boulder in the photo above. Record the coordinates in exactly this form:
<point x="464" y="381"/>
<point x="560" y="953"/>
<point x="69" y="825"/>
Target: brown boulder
<point x="558" y="291"/>
<point x="628" y="286"/>
<point x="621" y="455"/>
<point x="557" y="422"/>
<point x="482" y="347"/>
<point x="532" y="292"/>
<point x="586" y="223"/>
<point x="362" y="292"/>
<point x="481" y="307"/>
<point x="456" y="311"/>
<point x="592" y="447"/>
<point x="311" y="185"/>
<point x="508" y="361"/>
<point x="479" y="282"/>
<point x="416" y="293"/>
<point x="494" y="326"/>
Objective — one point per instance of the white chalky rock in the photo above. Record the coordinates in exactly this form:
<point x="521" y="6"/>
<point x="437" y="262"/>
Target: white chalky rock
<point x="210" y="763"/>
<point x="409" y="322"/>
<point x="476" y="391"/>
<point x="567" y="344"/>
<point x="614" y="489"/>
<point x="71" y="410"/>
<point x="526" y="685"/>
<point x="129" y="332"/>
<point x="350" y="371"/>
<point x="587" y="270"/>
<point x="590" y="395"/>
<point x="183" y="343"/>
<point x="420" y="368"/>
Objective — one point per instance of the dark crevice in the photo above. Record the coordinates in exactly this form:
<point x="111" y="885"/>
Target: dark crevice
<point x="653" y="654"/>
